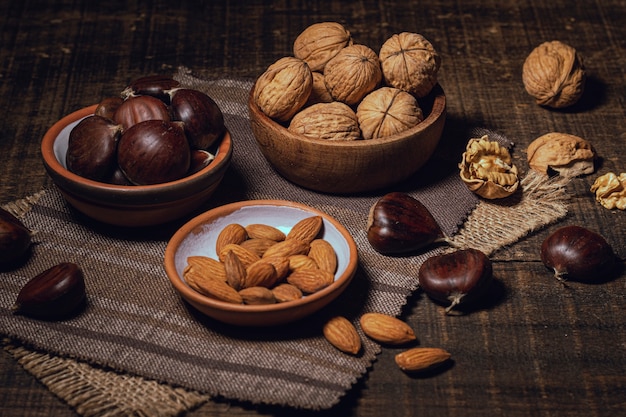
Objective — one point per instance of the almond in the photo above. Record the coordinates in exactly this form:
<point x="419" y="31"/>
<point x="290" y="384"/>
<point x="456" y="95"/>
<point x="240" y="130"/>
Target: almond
<point x="310" y="280"/>
<point x="301" y="262"/>
<point x="281" y="264"/>
<point x="204" y="265"/>
<point x="220" y="290"/>
<point x="287" y="248"/>
<point x="419" y="359"/>
<point x="386" y="329"/>
<point x="245" y="256"/>
<point x="264" y="231"/>
<point x="257" y="295"/>
<point x="235" y="270"/>
<point x="286" y="292"/>
<point x="231" y="234"/>
<point x="306" y="229"/>
<point x="342" y="334"/>
<point x="258" y="245"/>
<point x="324" y="255"/>
<point x="260" y="274"/>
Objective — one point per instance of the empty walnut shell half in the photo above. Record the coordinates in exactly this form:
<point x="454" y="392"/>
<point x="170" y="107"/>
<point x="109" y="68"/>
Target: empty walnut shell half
<point x="554" y="74"/>
<point x="568" y="155"/>
<point x="487" y="169"/>
<point x="610" y="190"/>
<point x="329" y="121"/>
<point x="410" y="62"/>
<point x="387" y="111"/>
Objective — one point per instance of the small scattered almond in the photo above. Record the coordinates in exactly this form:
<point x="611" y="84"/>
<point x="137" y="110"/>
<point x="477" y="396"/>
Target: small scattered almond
<point x="286" y="292"/>
<point x="231" y="234"/>
<point x="421" y="358"/>
<point x="264" y="231"/>
<point x="257" y="296"/>
<point x="324" y="255"/>
<point x="306" y="229"/>
<point x="386" y="329"/>
<point x="310" y="280"/>
<point x="342" y="334"/>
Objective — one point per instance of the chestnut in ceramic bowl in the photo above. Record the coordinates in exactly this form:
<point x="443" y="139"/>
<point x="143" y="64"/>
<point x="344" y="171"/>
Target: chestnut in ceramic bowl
<point x="129" y="205"/>
<point x="346" y="167"/>
<point x="198" y="238"/>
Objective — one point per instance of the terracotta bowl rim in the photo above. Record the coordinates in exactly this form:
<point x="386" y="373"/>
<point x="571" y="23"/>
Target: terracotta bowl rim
<point x="222" y="158"/>
<point x="177" y="281"/>
<point x="437" y="111"/>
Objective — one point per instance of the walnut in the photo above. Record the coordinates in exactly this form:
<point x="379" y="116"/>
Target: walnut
<point x="487" y="169"/>
<point x="319" y="93"/>
<point x="352" y="73"/>
<point x="410" y="63"/>
<point x="387" y="111"/>
<point x="320" y="42"/>
<point x="329" y="121"/>
<point x="283" y="88"/>
<point x="554" y="75"/>
<point x="568" y="155"/>
<point x="610" y="190"/>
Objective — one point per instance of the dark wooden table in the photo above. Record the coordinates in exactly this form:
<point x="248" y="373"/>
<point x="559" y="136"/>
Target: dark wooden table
<point x="544" y="350"/>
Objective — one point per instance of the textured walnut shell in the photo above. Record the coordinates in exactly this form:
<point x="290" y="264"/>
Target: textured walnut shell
<point x="320" y="42"/>
<point x="566" y="154"/>
<point x="319" y="92"/>
<point x="329" y="121"/>
<point x="281" y="91"/>
<point x="352" y="74"/>
<point x="409" y="62"/>
<point x="487" y="169"/>
<point x="387" y="111"/>
<point x="554" y="74"/>
<point x="610" y="190"/>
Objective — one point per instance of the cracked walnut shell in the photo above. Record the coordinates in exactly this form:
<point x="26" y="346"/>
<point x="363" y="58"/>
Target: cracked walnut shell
<point x="487" y="169"/>
<point x="410" y="62"/>
<point x="610" y="190"/>
<point x="352" y="74"/>
<point x="569" y="155"/>
<point x="554" y="74"/>
<point x="283" y="88"/>
<point x="320" y="42"/>
<point x="387" y="111"/>
<point x="328" y="121"/>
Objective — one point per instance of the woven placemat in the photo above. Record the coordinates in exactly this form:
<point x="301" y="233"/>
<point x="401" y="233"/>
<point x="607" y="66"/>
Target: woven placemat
<point x="137" y="327"/>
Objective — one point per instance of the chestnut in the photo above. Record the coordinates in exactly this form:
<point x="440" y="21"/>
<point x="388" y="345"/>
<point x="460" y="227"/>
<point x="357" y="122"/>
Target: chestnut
<point x="154" y="152"/>
<point x="578" y="254"/>
<point x="458" y="277"/>
<point x="141" y="108"/>
<point x="92" y="148"/>
<point x="151" y="85"/>
<point x="398" y="223"/>
<point x="108" y="106"/>
<point x="203" y="119"/>
<point x="200" y="159"/>
<point x="15" y="238"/>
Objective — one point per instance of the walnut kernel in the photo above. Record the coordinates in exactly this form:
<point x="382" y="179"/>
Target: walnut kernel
<point x="387" y="111"/>
<point x="610" y="190"/>
<point x="283" y="88"/>
<point x="554" y="74"/>
<point x="320" y="42"/>
<point x="487" y="169"/>
<point x="409" y="62"/>
<point x="328" y="121"/>
<point x="569" y="155"/>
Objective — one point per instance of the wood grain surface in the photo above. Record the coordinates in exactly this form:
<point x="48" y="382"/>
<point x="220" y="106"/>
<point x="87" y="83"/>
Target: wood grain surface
<point x="539" y="349"/>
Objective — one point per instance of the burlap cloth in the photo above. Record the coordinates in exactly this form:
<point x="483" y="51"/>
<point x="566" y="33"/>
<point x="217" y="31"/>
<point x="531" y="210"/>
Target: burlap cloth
<point x="138" y="349"/>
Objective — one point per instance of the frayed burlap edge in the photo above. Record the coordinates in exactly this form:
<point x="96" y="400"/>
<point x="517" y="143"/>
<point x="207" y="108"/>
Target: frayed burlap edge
<point x="94" y="392"/>
<point x="495" y="224"/>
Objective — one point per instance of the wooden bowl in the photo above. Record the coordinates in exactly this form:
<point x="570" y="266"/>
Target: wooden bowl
<point x="198" y="237"/>
<point x="133" y="206"/>
<point x="344" y="167"/>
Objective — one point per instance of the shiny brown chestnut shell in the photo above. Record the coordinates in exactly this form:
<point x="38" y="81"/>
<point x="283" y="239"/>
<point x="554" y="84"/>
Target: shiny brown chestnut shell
<point x="56" y="293"/>
<point x="139" y="109"/>
<point x="457" y="277"/>
<point x="15" y="238"/>
<point x="154" y="152"/>
<point x="108" y="106"/>
<point x="398" y="223"/>
<point x="578" y="254"/>
<point x="203" y="119"/>
<point x="156" y="86"/>
<point x="92" y="148"/>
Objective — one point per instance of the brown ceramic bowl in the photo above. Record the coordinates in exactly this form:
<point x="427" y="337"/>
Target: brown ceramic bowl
<point x="134" y="206"/>
<point x="344" y="167"/>
<point x="198" y="237"/>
